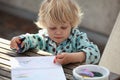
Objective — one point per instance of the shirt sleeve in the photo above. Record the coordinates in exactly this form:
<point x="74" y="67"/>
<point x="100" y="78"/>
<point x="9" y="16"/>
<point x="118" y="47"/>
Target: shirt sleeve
<point x="91" y="50"/>
<point x="32" y="41"/>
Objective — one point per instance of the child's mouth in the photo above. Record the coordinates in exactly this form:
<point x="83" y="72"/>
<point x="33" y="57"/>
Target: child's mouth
<point x="58" y="37"/>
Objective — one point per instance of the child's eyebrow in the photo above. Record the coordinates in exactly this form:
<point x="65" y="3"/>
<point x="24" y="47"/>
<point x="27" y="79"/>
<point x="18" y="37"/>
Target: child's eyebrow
<point x="52" y="26"/>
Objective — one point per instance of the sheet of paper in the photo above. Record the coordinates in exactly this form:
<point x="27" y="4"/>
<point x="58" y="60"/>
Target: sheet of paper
<point x="36" y="68"/>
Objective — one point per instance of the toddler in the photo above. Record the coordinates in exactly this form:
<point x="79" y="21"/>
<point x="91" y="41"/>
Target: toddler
<point x="59" y="35"/>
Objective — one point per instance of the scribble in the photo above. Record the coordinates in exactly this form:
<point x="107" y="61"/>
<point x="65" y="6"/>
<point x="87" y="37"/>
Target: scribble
<point x="25" y="75"/>
<point x="25" y="62"/>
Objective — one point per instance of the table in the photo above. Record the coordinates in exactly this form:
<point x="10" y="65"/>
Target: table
<point x="6" y="53"/>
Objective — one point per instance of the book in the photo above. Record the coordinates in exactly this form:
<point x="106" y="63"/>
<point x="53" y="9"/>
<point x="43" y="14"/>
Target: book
<point x="36" y="68"/>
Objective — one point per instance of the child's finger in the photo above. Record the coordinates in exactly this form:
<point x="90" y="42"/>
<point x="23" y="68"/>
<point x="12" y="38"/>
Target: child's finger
<point x="18" y="41"/>
<point x="22" y="44"/>
<point x="60" y="56"/>
<point x="14" y="46"/>
<point x="54" y="61"/>
<point x="57" y="59"/>
<point x="14" y="43"/>
<point x="60" y="61"/>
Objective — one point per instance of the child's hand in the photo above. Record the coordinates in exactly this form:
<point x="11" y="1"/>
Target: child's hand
<point x="66" y="58"/>
<point x="14" y="43"/>
<point x="63" y="58"/>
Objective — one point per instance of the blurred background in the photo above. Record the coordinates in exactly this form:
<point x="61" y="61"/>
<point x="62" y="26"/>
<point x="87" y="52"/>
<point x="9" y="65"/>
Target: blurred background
<point x="18" y="17"/>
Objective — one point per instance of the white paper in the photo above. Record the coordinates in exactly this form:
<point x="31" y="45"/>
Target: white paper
<point x="36" y="68"/>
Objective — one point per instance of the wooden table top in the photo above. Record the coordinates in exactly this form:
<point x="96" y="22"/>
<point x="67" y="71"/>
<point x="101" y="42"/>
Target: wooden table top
<point x="6" y="53"/>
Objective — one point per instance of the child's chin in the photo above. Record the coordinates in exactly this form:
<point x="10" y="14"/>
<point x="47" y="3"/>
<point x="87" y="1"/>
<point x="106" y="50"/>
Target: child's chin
<point x="58" y="42"/>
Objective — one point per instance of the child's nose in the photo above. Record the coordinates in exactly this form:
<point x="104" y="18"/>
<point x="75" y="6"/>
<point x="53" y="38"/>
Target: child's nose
<point x="58" y="32"/>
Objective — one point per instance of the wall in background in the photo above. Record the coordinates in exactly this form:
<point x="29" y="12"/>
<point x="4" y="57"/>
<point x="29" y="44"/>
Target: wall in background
<point x="30" y="5"/>
<point x="99" y="15"/>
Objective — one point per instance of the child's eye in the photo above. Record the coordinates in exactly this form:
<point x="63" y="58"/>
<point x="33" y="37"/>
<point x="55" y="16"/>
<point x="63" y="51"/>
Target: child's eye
<point x="52" y="28"/>
<point x="63" y="27"/>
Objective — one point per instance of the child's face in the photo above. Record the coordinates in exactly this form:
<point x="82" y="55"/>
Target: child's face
<point x="59" y="33"/>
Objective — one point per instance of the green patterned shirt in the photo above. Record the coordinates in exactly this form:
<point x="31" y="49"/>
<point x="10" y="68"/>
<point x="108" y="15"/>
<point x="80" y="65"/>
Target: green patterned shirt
<point x="76" y="42"/>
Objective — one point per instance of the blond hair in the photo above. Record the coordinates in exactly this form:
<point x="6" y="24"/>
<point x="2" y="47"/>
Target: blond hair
<point x="59" y="12"/>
